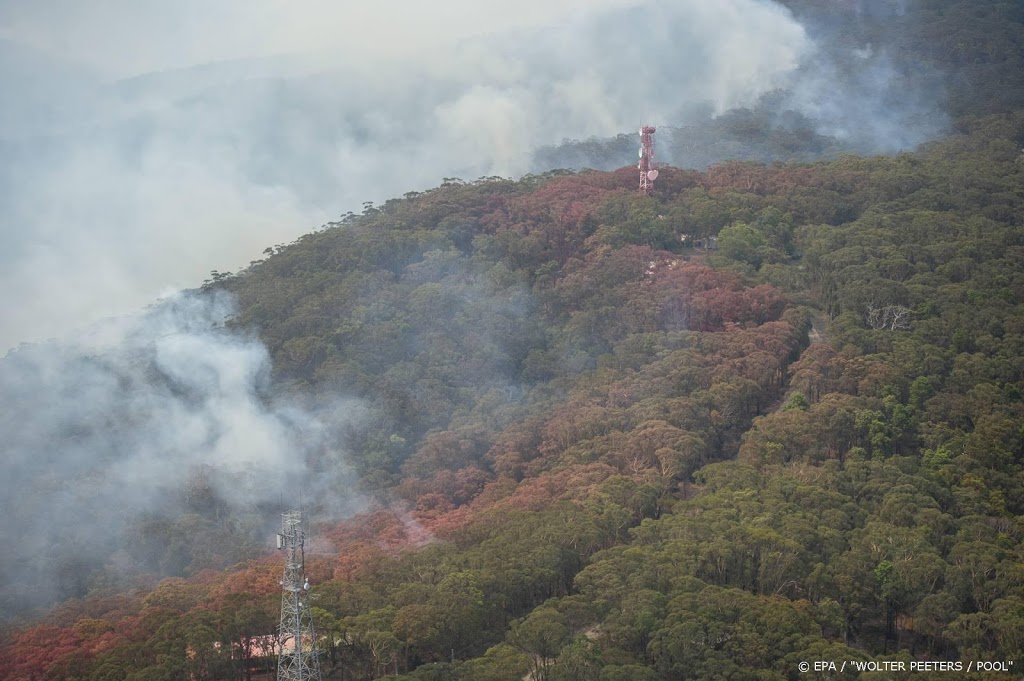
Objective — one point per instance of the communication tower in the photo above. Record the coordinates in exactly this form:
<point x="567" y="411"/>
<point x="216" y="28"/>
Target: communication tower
<point x="648" y="174"/>
<point x="298" y="659"/>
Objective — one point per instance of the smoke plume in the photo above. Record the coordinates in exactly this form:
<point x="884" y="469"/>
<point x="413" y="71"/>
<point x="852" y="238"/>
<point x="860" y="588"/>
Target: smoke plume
<point x="118" y="189"/>
<point x="152" y="444"/>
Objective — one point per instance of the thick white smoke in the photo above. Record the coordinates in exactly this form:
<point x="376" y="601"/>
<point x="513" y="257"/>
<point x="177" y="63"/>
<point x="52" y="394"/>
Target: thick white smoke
<point x="118" y="190"/>
<point x="158" y="415"/>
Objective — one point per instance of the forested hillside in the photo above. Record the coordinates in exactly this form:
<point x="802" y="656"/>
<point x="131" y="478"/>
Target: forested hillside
<point x="547" y="429"/>
<point x="596" y="453"/>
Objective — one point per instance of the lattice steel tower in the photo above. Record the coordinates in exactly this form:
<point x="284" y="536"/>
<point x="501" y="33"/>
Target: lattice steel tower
<point x="298" y="660"/>
<point x="648" y="173"/>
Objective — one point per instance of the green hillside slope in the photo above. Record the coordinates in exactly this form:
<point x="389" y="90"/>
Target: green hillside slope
<point x="595" y="453"/>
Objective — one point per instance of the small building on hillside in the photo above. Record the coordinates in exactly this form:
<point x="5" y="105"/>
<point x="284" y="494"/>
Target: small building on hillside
<point x="700" y="243"/>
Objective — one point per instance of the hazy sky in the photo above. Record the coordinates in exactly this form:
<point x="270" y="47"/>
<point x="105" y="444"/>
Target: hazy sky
<point x="120" y="38"/>
<point x="115" y="191"/>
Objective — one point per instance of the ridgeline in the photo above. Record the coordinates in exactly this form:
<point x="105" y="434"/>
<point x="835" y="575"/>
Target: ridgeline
<point x="597" y="453"/>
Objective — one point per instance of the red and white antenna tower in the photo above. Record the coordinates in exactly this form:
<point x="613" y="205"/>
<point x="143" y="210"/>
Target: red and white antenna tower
<point x="648" y="174"/>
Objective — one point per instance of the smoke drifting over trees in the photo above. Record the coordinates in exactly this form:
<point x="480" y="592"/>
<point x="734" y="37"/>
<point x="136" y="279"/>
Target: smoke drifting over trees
<point x="768" y="413"/>
<point x="152" y="446"/>
<point x="116" y="188"/>
<point x="864" y="83"/>
<point x="112" y="191"/>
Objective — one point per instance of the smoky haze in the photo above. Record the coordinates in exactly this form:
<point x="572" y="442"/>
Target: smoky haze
<point x="143" y="145"/>
<point x="134" y="162"/>
<point x="152" y="445"/>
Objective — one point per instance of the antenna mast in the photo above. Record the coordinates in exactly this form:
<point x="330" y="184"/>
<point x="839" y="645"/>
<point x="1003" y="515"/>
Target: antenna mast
<point x="298" y="659"/>
<point x="648" y="174"/>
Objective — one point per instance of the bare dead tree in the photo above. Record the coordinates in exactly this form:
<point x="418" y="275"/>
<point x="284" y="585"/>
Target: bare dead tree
<point x="891" y="317"/>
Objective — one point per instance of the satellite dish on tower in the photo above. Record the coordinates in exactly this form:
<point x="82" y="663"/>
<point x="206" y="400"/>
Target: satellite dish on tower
<point x="652" y="175"/>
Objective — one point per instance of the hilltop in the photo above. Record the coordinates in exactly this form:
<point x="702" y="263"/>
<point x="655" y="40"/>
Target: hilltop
<point x="590" y="451"/>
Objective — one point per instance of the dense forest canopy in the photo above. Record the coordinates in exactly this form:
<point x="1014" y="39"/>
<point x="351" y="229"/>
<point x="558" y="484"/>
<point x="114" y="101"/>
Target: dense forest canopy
<point x="554" y="435"/>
